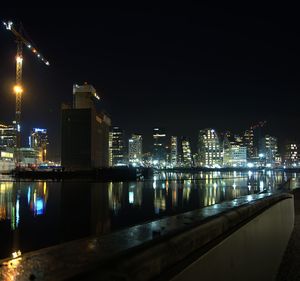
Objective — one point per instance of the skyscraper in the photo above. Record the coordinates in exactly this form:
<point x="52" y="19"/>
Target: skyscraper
<point x="269" y="149"/>
<point x="249" y="143"/>
<point x="116" y="147"/>
<point x="173" y="152"/>
<point x="38" y="140"/>
<point x="85" y="133"/>
<point x="209" y="149"/>
<point x="135" y="149"/>
<point x="291" y="155"/>
<point x="186" y="152"/>
<point x="159" y="146"/>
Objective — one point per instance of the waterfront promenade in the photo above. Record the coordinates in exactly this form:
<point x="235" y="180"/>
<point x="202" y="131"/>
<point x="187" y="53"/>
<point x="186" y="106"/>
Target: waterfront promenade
<point x="289" y="269"/>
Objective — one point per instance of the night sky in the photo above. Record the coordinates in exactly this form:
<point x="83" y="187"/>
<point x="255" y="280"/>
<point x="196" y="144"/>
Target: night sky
<point x="182" y="68"/>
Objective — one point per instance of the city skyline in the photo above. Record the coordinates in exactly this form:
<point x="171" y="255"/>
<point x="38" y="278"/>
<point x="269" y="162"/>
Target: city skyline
<point x="181" y="69"/>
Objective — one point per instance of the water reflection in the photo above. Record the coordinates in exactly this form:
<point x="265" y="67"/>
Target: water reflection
<point x="39" y="214"/>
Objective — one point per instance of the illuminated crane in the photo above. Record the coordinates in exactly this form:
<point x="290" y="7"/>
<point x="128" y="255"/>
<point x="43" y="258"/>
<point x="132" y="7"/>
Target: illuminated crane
<point x="18" y="89"/>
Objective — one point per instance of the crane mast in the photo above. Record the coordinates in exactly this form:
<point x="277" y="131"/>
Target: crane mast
<point x="18" y="89"/>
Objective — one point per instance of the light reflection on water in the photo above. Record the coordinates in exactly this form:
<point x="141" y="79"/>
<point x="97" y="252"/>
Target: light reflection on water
<point x="39" y="214"/>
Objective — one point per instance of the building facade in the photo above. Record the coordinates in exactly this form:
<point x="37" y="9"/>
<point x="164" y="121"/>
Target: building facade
<point x="159" y="154"/>
<point x="235" y="156"/>
<point x="116" y="147"/>
<point x="38" y="139"/>
<point x="7" y="135"/>
<point x="135" y="149"/>
<point x="291" y="154"/>
<point x="85" y="133"/>
<point x="173" y="152"/>
<point x="209" y="148"/>
<point x="186" y="152"/>
<point x="269" y="149"/>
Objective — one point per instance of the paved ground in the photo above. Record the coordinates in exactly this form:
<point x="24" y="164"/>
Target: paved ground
<point x="290" y="265"/>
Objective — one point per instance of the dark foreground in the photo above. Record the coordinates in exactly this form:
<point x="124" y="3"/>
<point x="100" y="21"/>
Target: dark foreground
<point x="289" y="269"/>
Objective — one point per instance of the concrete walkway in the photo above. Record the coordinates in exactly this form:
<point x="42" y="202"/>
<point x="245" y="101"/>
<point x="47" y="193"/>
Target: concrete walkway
<point x="290" y="265"/>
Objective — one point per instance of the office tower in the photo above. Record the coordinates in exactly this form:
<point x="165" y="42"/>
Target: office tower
<point x="173" y="152"/>
<point x="7" y="135"/>
<point x="269" y="149"/>
<point x="186" y="152"/>
<point x="116" y="147"/>
<point x="209" y="149"/>
<point x="291" y="155"/>
<point x="235" y="156"/>
<point x="248" y="140"/>
<point x="159" y="147"/>
<point x="135" y="149"/>
<point x="85" y="133"/>
<point x="259" y="132"/>
<point x="38" y="139"/>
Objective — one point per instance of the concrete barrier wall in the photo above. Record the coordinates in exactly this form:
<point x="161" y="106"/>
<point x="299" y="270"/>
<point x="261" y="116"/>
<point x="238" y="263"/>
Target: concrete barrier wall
<point x="253" y="252"/>
<point x="242" y="239"/>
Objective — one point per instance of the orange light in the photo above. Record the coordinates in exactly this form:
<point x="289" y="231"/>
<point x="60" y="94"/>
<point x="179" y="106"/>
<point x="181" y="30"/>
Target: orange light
<point x="18" y="89"/>
<point x="19" y="59"/>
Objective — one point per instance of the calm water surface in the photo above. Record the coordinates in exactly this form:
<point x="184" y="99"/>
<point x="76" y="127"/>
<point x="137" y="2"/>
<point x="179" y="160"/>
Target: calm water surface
<point x="38" y="214"/>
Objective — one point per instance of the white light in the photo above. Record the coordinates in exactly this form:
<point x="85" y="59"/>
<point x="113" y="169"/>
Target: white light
<point x="131" y="197"/>
<point x="47" y="63"/>
<point x="8" y="25"/>
<point x="250" y="165"/>
<point x="261" y="185"/>
<point x="261" y="155"/>
<point x="29" y="46"/>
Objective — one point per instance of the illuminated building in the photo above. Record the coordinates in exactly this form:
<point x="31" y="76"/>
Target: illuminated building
<point x="258" y="137"/>
<point x="173" y="151"/>
<point x="209" y="150"/>
<point x="235" y="156"/>
<point x="269" y="149"/>
<point x="186" y="153"/>
<point x="38" y="139"/>
<point x="249" y="143"/>
<point x="291" y="156"/>
<point x="30" y="155"/>
<point x="159" y="147"/>
<point x="85" y="133"/>
<point x="135" y="148"/>
<point x="116" y="147"/>
<point x="7" y="135"/>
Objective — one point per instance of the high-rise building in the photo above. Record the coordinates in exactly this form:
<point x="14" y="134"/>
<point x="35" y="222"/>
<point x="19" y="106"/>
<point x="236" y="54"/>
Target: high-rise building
<point x="173" y="152"/>
<point x="259" y="132"/>
<point x="249" y="143"/>
<point x="209" y="149"/>
<point x="116" y="147"/>
<point x="159" y="146"/>
<point x="187" y="159"/>
<point x="7" y="135"/>
<point x="38" y="139"/>
<point x="269" y="149"/>
<point x="85" y="133"/>
<point x="291" y="155"/>
<point x="135" y="149"/>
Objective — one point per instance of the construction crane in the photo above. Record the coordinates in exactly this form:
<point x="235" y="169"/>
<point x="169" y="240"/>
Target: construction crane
<point x="18" y="89"/>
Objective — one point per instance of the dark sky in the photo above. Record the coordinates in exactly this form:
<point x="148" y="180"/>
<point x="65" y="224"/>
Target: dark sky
<point x="183" y="68"/>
